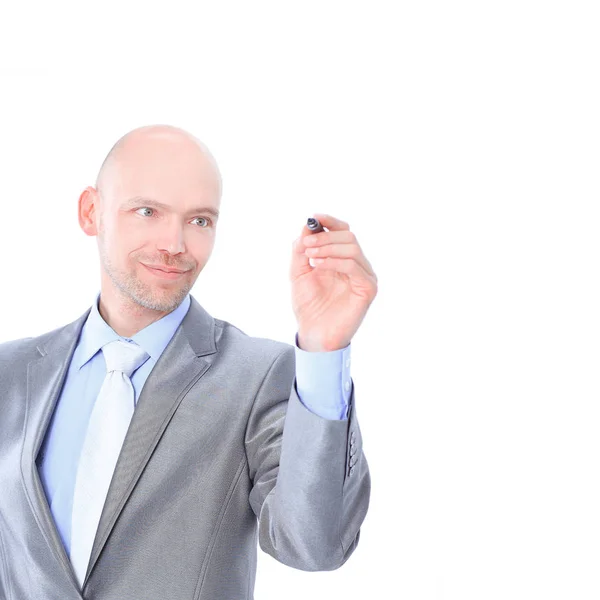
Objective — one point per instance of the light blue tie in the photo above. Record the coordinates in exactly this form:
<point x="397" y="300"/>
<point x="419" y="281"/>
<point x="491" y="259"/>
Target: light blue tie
<point x="106" y="431"/>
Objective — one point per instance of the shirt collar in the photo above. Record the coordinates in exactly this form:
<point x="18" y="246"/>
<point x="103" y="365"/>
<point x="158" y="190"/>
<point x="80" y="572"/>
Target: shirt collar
<point x="154" y="338"/>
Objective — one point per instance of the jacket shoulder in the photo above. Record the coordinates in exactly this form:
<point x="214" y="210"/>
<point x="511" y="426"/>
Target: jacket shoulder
<point x="22" y="347"/>
<point x="26" y="347"/>
<point x="233" y="337"/>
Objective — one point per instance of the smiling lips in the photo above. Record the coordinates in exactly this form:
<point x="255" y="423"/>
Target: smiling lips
<point x="165" y="272"/>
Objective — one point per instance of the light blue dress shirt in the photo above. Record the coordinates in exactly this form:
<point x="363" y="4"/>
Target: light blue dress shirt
<point x="323" y="384"/>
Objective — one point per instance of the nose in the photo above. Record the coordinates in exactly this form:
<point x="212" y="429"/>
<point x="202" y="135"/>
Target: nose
<point x="171" y="239"/>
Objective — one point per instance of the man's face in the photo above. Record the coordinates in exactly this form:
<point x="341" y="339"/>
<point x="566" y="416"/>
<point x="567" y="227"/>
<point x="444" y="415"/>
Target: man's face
<point x="153" y="213"/>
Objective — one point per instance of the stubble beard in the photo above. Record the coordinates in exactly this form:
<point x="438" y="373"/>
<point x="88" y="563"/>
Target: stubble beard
<point x="134" y="288"/>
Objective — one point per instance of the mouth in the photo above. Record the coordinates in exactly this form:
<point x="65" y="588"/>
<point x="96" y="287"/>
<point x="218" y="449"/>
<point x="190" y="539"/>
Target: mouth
<point x="165" y="272"/>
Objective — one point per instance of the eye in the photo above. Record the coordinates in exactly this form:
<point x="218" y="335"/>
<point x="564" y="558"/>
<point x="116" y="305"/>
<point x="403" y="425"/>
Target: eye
<point x="144" y="208"/>
<point x="208" y="220"/>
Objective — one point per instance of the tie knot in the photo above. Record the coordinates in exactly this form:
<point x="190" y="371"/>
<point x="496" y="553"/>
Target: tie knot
<point x="123" y="356"/>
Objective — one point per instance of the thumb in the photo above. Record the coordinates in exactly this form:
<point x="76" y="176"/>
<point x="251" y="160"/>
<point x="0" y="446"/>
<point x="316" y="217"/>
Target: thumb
<point x="300" y="262"/>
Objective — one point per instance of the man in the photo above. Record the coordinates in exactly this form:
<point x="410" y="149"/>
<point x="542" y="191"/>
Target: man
<point x="147" y="447"/>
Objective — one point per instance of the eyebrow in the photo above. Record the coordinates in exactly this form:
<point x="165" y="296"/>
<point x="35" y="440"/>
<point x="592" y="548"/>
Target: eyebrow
<point x="144" y="201"/>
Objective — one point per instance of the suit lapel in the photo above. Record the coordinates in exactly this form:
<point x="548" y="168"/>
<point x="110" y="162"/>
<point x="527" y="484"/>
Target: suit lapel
<point x="178" y="368"/>
<point x="45" y="377"/>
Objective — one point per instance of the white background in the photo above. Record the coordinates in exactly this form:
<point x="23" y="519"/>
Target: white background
<point x="461" y="142"/>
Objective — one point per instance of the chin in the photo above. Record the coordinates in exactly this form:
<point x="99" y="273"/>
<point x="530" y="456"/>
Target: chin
<point x="155" y="296"/>
<point x="160" y="302"/>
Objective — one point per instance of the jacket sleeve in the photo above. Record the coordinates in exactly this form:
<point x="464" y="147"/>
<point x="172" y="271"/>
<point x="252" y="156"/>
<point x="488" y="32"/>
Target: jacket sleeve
<point x="310" y="479"/>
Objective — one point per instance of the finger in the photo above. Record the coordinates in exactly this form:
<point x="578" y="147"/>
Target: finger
<point x="331" y="222"/>
<point x="336" y="251"/>
<point x="342" y="251"/>
<point x="330" y="237"/>
<point x="345" y="265"/>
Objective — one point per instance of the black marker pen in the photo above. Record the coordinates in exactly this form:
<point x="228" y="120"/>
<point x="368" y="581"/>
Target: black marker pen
<point x="314" y="225"/>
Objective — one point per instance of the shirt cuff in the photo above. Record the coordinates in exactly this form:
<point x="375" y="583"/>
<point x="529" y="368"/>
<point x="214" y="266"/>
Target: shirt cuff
<point x="323" y="381"/>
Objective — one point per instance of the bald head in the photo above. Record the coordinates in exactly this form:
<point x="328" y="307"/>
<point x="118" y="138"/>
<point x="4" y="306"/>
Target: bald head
<point x="162" y="143"/>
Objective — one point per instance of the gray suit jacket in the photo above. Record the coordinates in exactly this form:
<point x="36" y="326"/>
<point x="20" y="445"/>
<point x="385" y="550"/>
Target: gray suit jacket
<point x="220" y="454"/>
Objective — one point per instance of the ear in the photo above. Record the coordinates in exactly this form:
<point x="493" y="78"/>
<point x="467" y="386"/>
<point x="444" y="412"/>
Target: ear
<point x="88" y="210"/>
